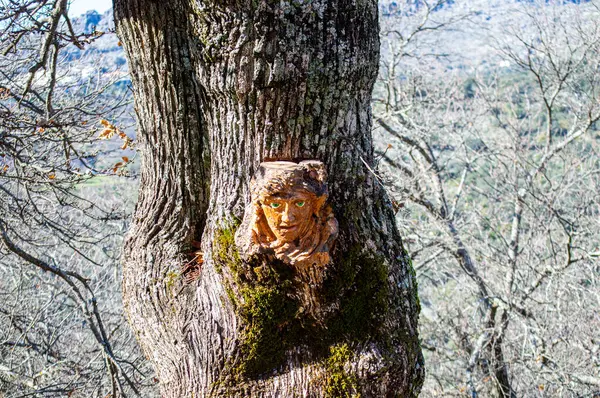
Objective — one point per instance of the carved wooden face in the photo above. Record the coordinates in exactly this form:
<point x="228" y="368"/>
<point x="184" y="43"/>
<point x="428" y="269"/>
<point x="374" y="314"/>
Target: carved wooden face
<point x="290" y="215"/>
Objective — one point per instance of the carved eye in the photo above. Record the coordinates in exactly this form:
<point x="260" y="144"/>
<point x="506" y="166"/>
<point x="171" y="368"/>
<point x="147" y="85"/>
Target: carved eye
<point x="275" y="205"/>
<point x="300" y="203"/>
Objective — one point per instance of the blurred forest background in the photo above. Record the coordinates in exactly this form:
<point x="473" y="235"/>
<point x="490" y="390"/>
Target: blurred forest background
<point x="486" y="129"/>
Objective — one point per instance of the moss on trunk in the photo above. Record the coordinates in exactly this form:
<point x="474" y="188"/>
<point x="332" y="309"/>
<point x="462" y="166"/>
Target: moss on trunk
<point x="263" y="297"/>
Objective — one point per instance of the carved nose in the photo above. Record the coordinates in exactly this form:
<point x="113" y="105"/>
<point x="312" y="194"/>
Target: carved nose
<point x="287" y="216"/>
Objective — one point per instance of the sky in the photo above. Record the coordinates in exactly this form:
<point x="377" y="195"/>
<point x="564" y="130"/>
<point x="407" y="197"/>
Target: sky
<point x="79" y="7"/>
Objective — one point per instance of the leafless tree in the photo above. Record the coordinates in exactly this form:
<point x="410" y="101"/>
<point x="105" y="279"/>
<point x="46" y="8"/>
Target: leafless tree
<point x="61" y="331"/>
<point x="495" y="178"/>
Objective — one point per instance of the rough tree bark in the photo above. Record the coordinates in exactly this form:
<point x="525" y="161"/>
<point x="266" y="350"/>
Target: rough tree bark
<point x="219" y="87"/>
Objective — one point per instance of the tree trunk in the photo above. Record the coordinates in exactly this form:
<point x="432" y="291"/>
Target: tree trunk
<point x="221" y="86"/>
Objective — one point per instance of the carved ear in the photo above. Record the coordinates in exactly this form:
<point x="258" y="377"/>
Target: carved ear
<point x="319" y="203"/>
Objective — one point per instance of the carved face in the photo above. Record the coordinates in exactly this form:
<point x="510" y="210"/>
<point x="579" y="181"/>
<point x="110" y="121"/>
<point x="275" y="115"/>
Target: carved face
<point x="289" y="215"/>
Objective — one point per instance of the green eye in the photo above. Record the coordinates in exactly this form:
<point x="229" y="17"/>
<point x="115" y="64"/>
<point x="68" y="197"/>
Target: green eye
<point x="300" y="204"/>
<point x="275" y="205"/>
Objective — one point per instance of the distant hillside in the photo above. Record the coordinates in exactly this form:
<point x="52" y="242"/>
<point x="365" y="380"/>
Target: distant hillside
<point x="104" y="53"/>
<point x="468" y="44"/>
<point x="483" y="26"/>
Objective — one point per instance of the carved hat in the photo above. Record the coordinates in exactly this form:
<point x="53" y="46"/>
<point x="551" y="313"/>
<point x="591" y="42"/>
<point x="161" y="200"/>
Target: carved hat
<point x="309" y="175"/>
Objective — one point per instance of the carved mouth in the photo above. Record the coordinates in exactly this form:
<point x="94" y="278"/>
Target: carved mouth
<point x="287" y="228"/>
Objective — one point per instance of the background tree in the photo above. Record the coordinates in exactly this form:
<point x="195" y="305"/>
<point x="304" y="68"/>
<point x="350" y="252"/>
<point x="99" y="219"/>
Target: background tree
<point x="61" y="331"/>
<point x="495" y="179"/>
<point x="219" y="87"/>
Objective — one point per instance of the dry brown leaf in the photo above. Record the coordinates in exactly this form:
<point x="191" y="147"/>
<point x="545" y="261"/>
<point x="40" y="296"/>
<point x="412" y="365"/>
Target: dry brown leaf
<point x="106" y="134"/>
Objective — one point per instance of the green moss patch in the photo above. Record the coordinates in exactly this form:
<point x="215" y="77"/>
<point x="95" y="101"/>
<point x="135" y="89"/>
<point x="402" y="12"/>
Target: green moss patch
<point x="269" y="314"/>
<point x="263" y="296"/>
<point x="224" y="250"/>
<point x="360" y="281"/>
<point x="340" y="383"/>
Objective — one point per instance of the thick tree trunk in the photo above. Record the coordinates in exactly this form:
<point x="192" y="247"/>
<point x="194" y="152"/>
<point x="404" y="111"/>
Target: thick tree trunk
<point x="221" y="86"/>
